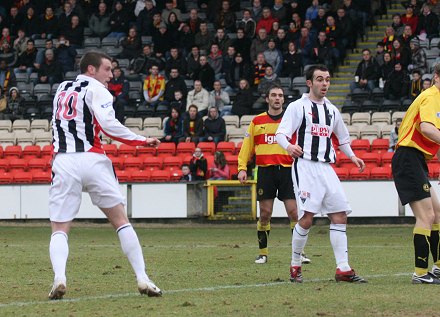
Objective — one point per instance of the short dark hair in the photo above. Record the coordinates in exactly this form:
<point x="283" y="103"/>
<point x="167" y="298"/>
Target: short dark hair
<point x="193" y="106"/>
<point x="417" y="71"/>
<point x="271" y="87"/>
<point x="311" y="70"/>
<point x="93" y="58"/>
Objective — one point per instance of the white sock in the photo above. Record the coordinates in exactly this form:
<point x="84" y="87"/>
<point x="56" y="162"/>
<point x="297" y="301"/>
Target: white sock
<point x="299" y="240"/>
<point x="59" y="252"/>
<point x="338" y="239"/>
<point x="132" y="249"/>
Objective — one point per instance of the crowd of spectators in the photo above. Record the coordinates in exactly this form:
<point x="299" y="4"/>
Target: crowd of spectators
<point x="243" y="46"/>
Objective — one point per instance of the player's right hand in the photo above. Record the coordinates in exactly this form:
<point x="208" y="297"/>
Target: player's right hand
<point x="294" y="150"/>
<point x="153" y="142"/>
<point x="242" y="176"/>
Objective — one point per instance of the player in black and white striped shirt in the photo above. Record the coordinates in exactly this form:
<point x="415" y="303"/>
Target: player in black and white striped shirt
<point x="314" y="121"/>
<point x="82" y="109"/>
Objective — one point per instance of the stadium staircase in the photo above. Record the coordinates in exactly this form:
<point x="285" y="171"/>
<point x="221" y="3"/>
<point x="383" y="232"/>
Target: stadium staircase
<point x="238" y="206"/>
<point x="340" y="88"/>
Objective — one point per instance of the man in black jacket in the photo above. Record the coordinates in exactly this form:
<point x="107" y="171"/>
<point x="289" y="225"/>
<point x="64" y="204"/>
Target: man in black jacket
<point x="192" y="126"/>
<point x="366" y="72"/>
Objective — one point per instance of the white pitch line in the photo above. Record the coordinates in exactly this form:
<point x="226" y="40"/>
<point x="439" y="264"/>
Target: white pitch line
<point x="183" y="290"/>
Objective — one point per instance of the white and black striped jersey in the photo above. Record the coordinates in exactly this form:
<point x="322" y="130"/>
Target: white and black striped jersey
<point x="314" y="125"/>
<point x="81" y="110"/>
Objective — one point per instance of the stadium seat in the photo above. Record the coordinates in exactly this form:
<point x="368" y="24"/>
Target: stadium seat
<point x="380" y="145"/>
<point x="172" y="163"/>
<point x="390" y="105"/>
<point x="153" y="133"/>
<point x="235" y="134"/>
<point x="186" y="158"/>
<point x="22" y="177"/>
<point x="238" y="147"/>
<point x="143" y="151"/>
<point x="133" y="123"/>
<point x="21" y="124"/>
<point x="360" y="145"/>
<point x="350" y="107"/>
<point x="381" y="118"/>
<point x="355" y="174"/>
<point x="12" y="150"/>
<point x="24" y="138"/>
<point x="140" y="176"/>
<point x="343" y="161"/>
<point x="7" y="138"/>
<point x="6" y="178"/>
<point x="17" y="164"/>
<point x="43" y="138"/>
<point x="166" y="149"/>
<point x="360" y="119"/>
<point x="153" y="162"/>
<point x="386" y="158"/>
<point x="125" y="150"/>
<point x="232" y="120"/>
<point x="110" y="149"/>
<point x="160" y="176"/>
<point x="207" y="147"/>
<point x="4" y="164"/>
<point x="123" y="176"/>
<point x="6" y="125"/>
<point x="185" y="148"/>
<point x="381" y="172"/>
<point x="371" y="159"/>
<point x="41" y="177"/>
<point x="342" y="172"/>
<point x="47" y="150"/>
<point x="385" y="131"/>
<point x="232" y="160"/>
<point x="31" y="151"/>
<point x="37" y="164"/>
<point x="133" y="163"/>
<point x="152" y="122"/>
<point x="346" y="117"/>
<point x="369" y="106"/>
<point x="118" y="162"/>
<point x="246" y="120"/>
<point x="359" y="95"/>
<point x="226" y="147"/>
<point x="370" y="132"/>
<point x="405" y="104"/>
<point x="1" y="151"/>
<point x="233" y="171"/>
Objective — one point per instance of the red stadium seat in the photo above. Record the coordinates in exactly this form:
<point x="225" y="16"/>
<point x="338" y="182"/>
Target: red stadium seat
<point x="185" y="148"/>
<point x="125" y="150"/>
<point x="40" y="177"/>
<point x="6" y="178"/>
<point x="140" y="176"/>
<point x="226" y="147"/>
<point x="371" y="159"/>
<point x="143" y="151"/>
<point x="17" y="165"/>
<point x="238" y="147"/>
<point x="31" y="151"/>
<point x="153" y="162"/>
<point x="342" y="172"/>
<point x="166" y="149"/>
<point x="123" y="176"/>
<point x="133" y="163"/>
<point x="172" y="163"/>
<point x="47" y="150"/>
<point x="118" y="162"/>
<point x="343" y="161"/>
<point x="12" y="150"/>
<point x="160" y="176"/>
<point x="356" y="175"/>
<point x="110" y="149"/>
<point x="186" y="159"/>
<point x="1" y="151"/>
<point x="37" y="164"/>
<point x="4" y="164"/>
<point x="233" y="172"/>
<point x="382" y="172"/>
<point x="386" y="158"/>
<point x="176" y="175"/>
<point x="207" y="147"/>
<point x="22" y="177"/>
<point x="232" y="160"/>
<point x="433" y="169"/>
<point x="380" y="145"/>
<point x="360" y="145"/>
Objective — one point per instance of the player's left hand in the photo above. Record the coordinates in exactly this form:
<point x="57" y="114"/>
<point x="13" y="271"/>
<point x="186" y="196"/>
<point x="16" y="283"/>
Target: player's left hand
<point x="359" y="163"/>
<point x="153" y="142"/>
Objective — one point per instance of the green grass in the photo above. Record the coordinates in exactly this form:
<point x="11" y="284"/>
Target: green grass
<point x="208" y="270"/>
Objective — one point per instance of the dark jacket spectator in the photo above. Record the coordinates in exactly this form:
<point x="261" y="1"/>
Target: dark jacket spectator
<point x="14" y="20"/>
<point x="214" y="127"/>
<point x="292" y="62"/>
<point x="48" y="24"/>
<point x="198" y="166"/>
<point x="203" y="39"/>
<point x="173" y="84"/>
<point x="119" y="19"/>
<point x="242" y="45"/>
<point x="66" y="54"/>
<point x="14" y="108"/>
<point x="8" y="54"/>
<point x="162" y="40"/>
<point x="142" y="63"/>
<point x="28" y="57"/>
<point x="99" y="23"/>
<point x="225" y="19"/>
<point x="119" y="87"/>
<point x="131" y="45"/>
<point x="7" y="77"/>
<point x="31" y="23"/>
<point x="74" y="33"/>
<point x="396" y="87"/>
<point x="192" y="125"/>
<point x="239" y="70"/>
<point x="243" y="100"/>
<point x="50" y="71"/>
<point x="185" y="39"/>
<point x="206" y="74"/>
<point x="428" y="22"/>
<point x="173" y="128"/>
<point x="193" y="63"/>
<point x="175" y="60"/>
<point x="144" y="20"/>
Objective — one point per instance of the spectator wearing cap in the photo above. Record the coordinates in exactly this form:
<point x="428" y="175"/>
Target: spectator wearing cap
<point x="428" y="22"/>
<point x="418" y="57"/>
<point x="396" y="87"/>
<point x="409" y="18"/>
<point x="162" y="41"/>
<point x="99" y="23"/>
<point x="273" y="56"/>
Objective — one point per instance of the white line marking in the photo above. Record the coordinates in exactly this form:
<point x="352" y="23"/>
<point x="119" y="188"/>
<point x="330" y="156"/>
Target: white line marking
<point x="183" y="290"/>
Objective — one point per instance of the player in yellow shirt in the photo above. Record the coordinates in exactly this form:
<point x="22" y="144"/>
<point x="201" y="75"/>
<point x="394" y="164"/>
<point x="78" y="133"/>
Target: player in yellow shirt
<point x="419" y="141"/>
<point x="274" y="168"/>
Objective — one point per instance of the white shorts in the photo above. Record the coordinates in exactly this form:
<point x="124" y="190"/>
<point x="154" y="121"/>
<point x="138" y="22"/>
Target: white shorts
<point x="74" y="173"/>
<point x="318" y="189"/>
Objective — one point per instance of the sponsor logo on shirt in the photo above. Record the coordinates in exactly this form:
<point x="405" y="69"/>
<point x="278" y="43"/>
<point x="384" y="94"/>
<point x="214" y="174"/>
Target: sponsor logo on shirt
<point x="108" y="104"/>
<point x="319" y="130"/>
<point x="270" y="139"/>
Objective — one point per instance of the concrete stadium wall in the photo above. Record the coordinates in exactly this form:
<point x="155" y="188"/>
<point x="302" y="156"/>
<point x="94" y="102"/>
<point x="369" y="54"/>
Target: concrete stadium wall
<point x="367" y="199"/>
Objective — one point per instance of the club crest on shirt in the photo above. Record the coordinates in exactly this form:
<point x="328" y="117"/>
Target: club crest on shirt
<point x="303" y="195"/>
<point x="426" y="187"/>
<point x="108" y="104"/>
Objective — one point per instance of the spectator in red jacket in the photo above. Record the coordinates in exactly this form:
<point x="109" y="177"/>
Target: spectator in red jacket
<point x="266" y="20"/>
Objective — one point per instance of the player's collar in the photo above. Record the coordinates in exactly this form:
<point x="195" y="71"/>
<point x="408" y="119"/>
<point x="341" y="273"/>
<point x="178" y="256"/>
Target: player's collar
<point x="89" y="79"/>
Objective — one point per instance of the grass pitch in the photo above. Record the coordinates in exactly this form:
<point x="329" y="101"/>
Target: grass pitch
<point x="208" y="270"/>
